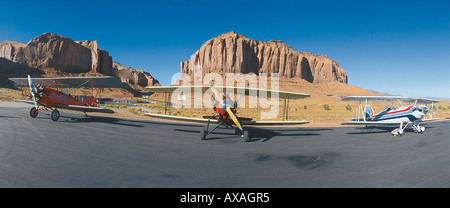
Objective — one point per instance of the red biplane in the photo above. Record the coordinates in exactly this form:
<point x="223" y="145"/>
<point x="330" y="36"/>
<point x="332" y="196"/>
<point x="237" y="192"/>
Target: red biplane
<point x="225" y="108"/>
<point x="47" y="94"/>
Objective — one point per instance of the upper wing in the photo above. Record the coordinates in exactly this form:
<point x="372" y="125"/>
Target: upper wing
<point x="104" y="81"/>
<point x="420" y="100"/>
<point x="269" y="93"/>
<point x="85" y="108"/>
<point x="372" y="98"/>
<point x="236" y="90"/>
<point x="389" y="98"/>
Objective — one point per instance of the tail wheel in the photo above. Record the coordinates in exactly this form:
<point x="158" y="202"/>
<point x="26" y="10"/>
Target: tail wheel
<point x="33" y="112"/>
<point x="55" y="115"/>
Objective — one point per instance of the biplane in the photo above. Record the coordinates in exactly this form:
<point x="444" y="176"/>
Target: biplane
<point x="47" y="94"/>
<point x="225" y="108"/>
<point x="403" y="115"/>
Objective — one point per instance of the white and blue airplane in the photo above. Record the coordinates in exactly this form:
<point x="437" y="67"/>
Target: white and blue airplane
<point x="410" y="115"/>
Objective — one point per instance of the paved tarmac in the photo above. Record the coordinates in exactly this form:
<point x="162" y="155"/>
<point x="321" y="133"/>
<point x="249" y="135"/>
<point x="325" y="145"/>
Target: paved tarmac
<point x="79" y="151"/>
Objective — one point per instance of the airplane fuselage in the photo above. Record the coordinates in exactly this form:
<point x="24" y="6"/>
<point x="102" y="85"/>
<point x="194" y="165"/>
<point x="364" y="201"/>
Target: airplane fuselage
<point x="221" y="108"/>
<point x="402" y="114"/>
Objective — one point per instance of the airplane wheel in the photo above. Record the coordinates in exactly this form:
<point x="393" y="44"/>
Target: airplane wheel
<point x="246" y="139"/>
<point x="55" y="115"/>
<point x="33" y="112"/>
<point x="422" y="129"/>
<point x="203" y="134"/>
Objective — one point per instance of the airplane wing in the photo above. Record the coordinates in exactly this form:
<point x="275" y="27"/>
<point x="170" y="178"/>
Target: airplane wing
<point x="420" y="100"/>
<point x="75" y="107"/>
<point x="274" y="123"/>
<point x="85" y="108"/>
<point x="243" y="122"/>
<point x="370" y="123"/>
<point x="429" y="119"/>
<point x="389" y="98"/>
<point x="248" y="91"/>
<point x="171" y="89"/>
<point x="103" y="81"/>
<point x="180" y="118"/>
<point x="26" y="101"/>
<point x="372" y="98"/>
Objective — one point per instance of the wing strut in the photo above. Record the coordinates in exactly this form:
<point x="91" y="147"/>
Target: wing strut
<point x="286" y="108"/>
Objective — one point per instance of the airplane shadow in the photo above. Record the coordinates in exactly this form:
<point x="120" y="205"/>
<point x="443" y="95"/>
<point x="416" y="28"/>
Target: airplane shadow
<point x="98" y="119"/>
<point x="113" y="120"/>
<point x="381" y="129"/>
<point x="125" y="122"/>
<point x="8" y="117"/>
<point x="258" y="134"/>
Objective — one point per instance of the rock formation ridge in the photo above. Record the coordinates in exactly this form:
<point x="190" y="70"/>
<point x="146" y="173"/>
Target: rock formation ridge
<point x="50" y="50"/>
<point x="235" y="53"/>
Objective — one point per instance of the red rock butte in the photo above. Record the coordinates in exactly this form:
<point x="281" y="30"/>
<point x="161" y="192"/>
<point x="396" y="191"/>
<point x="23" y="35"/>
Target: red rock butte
<point x="54" y="51"/>
<point x="235" y="53"/>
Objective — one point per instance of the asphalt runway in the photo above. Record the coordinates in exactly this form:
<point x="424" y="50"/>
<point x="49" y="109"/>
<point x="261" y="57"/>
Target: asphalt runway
<point x="79" y="151"/>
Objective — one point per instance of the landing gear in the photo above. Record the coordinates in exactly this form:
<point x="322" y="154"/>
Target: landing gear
<point x="204" y="132"/>
<point x="399" y="131"/>
<point x="33" y="112"/>
<point x="245" y="136"/>
<point x="415" y="126"/>
<point x="55" y="115"/>
<point x="418" y="129"/>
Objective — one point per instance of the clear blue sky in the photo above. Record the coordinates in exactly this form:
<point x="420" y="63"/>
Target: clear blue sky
<point x="399" y="47"/>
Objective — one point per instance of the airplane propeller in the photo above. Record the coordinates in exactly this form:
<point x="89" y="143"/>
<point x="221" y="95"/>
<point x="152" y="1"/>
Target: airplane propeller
<point x="425" y="109"/>
<point x="228" y="109"/>
<point x="30" y="83"/>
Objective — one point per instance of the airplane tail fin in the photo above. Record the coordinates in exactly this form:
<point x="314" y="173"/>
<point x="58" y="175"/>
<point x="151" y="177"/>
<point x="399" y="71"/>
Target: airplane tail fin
<point x="368" y="112"/>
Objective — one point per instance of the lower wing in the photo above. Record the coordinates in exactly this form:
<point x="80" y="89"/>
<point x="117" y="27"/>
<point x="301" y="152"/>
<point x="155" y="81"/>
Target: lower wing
<point x="370" y="123"/>
<point x="26" y="101"/>
<point x="180" y="118"/>
<point x="429" y="119"/>
<point x="84" y="108"/>
<point x="242" y="121"/>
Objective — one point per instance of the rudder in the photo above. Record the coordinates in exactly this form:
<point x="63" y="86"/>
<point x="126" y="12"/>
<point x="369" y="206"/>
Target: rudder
<point x="368" y="112"/>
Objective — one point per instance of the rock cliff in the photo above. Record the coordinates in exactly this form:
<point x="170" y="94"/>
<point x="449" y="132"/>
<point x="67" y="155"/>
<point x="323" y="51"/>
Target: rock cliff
<point x="50" y="50"/>
<point x="133" y="76"/>
<point x="235" y="53"/>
